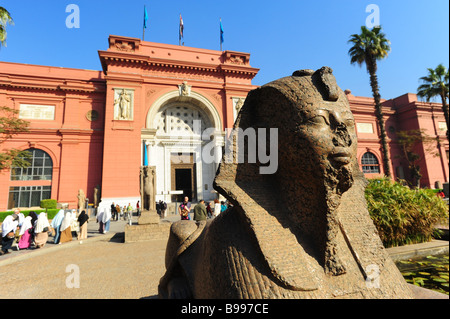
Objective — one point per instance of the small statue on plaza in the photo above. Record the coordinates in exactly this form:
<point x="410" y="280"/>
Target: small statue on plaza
<point x="302" y="232"/>
<point x="148" y="188"/>
<point x="97" y="196"/>
<point x="81" y="205"/>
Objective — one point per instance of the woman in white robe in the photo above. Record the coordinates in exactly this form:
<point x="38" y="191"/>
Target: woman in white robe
<point x="41" y="230"/>
<point x="66" y="230"/>
<point x="9" y="227"/>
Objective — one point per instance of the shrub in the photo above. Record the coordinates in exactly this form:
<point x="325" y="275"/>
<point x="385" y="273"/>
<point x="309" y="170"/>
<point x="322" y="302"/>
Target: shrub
<point x="51" y="213"/>
<point x="403" y="215"/>
<point x="49" y="203"/>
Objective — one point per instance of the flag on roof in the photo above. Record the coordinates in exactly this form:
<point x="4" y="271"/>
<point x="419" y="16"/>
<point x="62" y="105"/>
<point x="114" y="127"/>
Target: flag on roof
<point x="145" y="17"/>
<point x="181" y="28"/>
<point x="221" y="32"/>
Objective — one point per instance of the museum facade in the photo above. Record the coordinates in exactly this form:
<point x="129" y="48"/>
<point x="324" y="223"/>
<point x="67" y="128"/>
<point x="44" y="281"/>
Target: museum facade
<point x="151" y="104"/>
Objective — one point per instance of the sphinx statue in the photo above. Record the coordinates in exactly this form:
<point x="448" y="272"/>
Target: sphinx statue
<point x="302" y="232"/>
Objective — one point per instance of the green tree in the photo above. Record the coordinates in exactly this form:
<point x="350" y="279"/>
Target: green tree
<point x="5" y="19"/>
<point x="11" y="125"/>
<point x="409" y="141"/>
<point x="369" y="47"/>
<point x="436" y="84"/>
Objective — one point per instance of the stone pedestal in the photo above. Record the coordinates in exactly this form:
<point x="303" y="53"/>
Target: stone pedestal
<point x="149" y="227"/>
<point x="148" y="217"/>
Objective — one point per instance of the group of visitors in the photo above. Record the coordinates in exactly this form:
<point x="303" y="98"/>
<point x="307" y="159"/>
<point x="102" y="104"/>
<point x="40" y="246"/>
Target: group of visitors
<point x="201" y="211"/>
<point x="34" y="230"/>
<point x="124" y="212"/>
<point x="66" y="222"/>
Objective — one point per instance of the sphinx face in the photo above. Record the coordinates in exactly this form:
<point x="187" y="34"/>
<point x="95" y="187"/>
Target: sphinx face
<point x="329" y="129"/>
<point x="327" y="136"/>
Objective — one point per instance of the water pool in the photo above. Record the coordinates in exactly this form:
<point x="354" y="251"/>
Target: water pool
<point x="431" y="272"/>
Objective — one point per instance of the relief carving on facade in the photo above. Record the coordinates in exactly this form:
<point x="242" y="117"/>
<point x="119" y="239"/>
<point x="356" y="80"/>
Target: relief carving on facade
<point x="123" y="104"/>
<point x="123" y="45"/>
<point x="185" y="89"/>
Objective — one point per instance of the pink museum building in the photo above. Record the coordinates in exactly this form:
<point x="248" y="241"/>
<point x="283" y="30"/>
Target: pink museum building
<point x="97" y="128"/>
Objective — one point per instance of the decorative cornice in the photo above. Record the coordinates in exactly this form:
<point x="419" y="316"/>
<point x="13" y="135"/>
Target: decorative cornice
<point x="146" y="55"/>
<point x="147" y="62"/>
<point x="50" y="84"/>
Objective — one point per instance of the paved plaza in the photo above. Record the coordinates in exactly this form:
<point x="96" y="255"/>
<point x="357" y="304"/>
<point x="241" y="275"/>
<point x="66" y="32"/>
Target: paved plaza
<point x="111" y="269"/>
<point x="108" y="268"/>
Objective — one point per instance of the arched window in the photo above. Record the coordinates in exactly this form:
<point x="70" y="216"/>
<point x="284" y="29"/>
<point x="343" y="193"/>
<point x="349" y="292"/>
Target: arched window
<point x="369" y="163"/>
<point x="40" y="169"/>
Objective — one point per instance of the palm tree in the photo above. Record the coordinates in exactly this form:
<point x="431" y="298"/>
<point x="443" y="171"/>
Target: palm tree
<point x="369" y="47"/>
<point x="436" y="84"/>
<point x="5" y="18"/>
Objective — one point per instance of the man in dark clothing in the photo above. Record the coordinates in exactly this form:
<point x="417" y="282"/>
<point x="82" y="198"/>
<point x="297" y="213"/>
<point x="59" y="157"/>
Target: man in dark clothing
<point x="113" y="212"/>
<point x="200" y="211"/>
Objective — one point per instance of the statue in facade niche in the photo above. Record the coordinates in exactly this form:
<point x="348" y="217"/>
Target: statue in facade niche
<point x="303" y="232"/>
<point x="123" y="104"/>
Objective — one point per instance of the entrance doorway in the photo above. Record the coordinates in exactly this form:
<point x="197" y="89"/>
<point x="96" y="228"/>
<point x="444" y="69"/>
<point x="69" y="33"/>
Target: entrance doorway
<point x="183" y="182"/>
<point x="183" y="177"/>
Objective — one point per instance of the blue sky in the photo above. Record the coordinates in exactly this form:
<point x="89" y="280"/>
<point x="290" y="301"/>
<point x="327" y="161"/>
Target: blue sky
<point x="281" y="36"/>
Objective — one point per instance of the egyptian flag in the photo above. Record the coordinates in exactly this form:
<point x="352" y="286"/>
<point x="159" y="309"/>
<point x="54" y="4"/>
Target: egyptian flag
<point x="181" y="28"/>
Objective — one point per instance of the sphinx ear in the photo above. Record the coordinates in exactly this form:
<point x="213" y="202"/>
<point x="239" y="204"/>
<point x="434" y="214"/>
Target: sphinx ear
<point x="326" y="83"/>
<point x="304" y="72"/>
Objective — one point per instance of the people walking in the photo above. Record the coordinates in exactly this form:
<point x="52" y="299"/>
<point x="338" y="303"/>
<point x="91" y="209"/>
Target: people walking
<point x="118" y="212"/>
<point x="66" y="229"/>
<point x="83" y="220"/>
<point x="209" y="209"/>
<point x="101" y="226"/>
<point x="113" y="212"/>
<point x="217" y="207"/>
<point x="200" y="213"/>
<point x="56" y="225"/>
<point x="138" y="210"/>
<point x="129" y="213"/>
<point x="106" y="219"/>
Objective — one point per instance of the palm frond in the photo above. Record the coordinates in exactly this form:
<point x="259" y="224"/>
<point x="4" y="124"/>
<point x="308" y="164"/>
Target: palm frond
<point x="371" y="44"/>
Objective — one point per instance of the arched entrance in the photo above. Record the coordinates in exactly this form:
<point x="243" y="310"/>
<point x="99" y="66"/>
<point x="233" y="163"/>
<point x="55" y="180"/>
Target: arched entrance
<point x="184" y="140"/>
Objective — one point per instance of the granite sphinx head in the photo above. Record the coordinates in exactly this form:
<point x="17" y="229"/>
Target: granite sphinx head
<point x="316" y="139"/>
